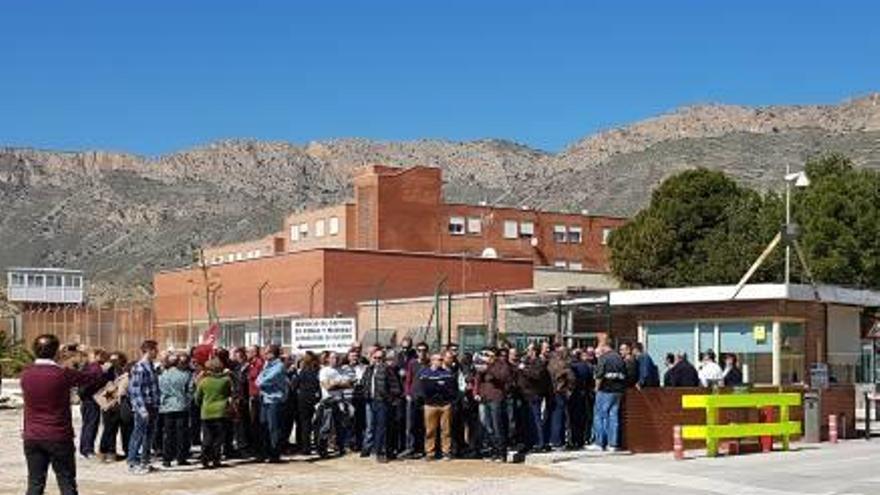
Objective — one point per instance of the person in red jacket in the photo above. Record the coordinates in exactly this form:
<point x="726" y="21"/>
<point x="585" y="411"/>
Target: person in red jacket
<point x="48" y="430"/>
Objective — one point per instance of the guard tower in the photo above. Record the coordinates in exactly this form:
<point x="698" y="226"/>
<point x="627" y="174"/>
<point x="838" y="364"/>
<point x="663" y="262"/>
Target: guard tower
<point x="27" y="286"/>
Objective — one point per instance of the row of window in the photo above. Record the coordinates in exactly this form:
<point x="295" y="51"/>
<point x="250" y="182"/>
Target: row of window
<point x="54" y="281"/>
<point x="323" y="227"/>
<point x="513" y="229"/>
<point x="568" y="265"/>
<point x="239" y="256"/>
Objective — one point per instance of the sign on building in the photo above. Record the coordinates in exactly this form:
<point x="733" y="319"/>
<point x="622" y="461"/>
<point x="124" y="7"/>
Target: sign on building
<point x="323" y="334"/>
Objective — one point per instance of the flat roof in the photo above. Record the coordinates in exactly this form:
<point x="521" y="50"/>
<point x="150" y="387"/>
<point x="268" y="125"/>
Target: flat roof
<point x="380" y="252"/>
<point x="684" y="295"/>
<point x="70" y="271"/>
<point x="721" y="293"/>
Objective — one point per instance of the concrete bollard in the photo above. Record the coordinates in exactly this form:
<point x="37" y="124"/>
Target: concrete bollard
<point x="677" y="443"/>
<point x="832" y="428"/>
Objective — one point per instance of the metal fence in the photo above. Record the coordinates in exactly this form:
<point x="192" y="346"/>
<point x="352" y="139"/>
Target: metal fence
<point x="117" y="327"/>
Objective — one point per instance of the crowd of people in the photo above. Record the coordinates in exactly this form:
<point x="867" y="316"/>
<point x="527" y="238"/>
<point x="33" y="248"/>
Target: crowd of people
<point x="406" y="402"/>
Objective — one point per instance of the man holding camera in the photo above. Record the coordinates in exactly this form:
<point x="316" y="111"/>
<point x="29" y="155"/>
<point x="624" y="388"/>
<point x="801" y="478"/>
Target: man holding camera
<point x="48" y="430"/>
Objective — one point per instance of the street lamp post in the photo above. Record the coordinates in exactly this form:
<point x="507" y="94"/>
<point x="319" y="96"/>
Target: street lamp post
<point x="799" y="179"/>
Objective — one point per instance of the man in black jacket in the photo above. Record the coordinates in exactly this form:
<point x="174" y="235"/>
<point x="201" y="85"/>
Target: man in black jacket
<point x="534" y="383"/>
<point x="681" y="373"/>
<point x="381" y="386"/>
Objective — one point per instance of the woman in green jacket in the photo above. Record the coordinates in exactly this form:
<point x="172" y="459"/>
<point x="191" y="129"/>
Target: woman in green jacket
<point x="213" y="394"/>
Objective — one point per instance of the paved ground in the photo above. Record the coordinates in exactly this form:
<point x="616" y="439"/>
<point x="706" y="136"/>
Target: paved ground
<point x="848" y="468"/>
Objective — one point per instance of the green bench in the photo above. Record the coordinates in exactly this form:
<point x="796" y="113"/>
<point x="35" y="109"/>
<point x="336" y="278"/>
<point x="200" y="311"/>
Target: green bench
<point x="712" y="432"/>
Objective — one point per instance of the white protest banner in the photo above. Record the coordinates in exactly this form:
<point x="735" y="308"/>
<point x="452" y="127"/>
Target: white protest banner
<point x="323" y="334"/>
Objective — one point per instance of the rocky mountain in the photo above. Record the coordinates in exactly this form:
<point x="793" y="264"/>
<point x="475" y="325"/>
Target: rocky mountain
<point x="122" y="216"/>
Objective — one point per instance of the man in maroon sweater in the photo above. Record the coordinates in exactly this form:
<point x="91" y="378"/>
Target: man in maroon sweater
<point x="48" y="430"/>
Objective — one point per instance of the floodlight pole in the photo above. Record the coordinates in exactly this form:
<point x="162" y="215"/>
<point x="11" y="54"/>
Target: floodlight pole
<point x="787" y="224"/>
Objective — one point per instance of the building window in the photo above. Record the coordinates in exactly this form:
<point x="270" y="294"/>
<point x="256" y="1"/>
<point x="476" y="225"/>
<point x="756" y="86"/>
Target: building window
<point x="239" y="256"/>
<point x="17" y="280"/>
<point x="474" y="225"/>
<point x="319" y="228"/>
<point x="76" y="282"/>
<point x="456" y="225"/>
<point x="511" y="229"/>
<point x="560" y="264"/>
<point x="576" y="266"/>
<point x="527" y="230"/>
<point x="230" y="258"/>
<point x="217" y="260"/>
<point x="35" y="280"/>
<point x="303" y="231"/>
<point x="294" y="233"/>
<point x="53" y="280"/>
<point x="574" y="235"/>
<point x="333" y="226"/>
<point x="606" y="235"/>
<point x="559" y="234"/>
<point x="257" y="253"/>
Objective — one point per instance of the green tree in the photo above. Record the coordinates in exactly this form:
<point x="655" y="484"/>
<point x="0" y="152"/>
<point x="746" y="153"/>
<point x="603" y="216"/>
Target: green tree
<point x="839" y="215"/>
<point x="700" y="228"/>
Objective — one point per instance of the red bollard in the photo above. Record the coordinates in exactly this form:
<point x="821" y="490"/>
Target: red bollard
<point x="768" y="416"/>
<point x="677" y="444"/>
<point x="832" y="428"/>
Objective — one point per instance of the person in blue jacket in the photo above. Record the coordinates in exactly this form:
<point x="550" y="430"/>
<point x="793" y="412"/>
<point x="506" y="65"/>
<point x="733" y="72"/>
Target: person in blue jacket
<point x="273" y="384"/>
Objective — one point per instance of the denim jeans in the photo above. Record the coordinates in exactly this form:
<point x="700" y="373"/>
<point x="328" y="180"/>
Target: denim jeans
<point x="536" y="424"/>
<point x="141" y="443"/>
<point x="270" y="419"/>
<point x="377" y="420"/>
<point x="558" y="420"/>
<point x="606" y="419"/>
<point x="496" y="414"/>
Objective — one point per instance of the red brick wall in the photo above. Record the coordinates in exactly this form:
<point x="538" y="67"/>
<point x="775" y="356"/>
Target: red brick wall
<point x="327" y="282"/>
<point x="590" y="251"/>
<point x="357" y="274"/>
<point x="649" y="415"/>
<point x="408" y="209"/>
<point x="290" y="278"/>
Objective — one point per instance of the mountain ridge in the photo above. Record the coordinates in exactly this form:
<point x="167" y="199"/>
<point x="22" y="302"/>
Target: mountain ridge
<point x="122" y="215"/>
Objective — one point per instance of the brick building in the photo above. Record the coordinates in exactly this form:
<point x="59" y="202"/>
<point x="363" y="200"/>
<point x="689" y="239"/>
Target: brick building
<point x="395" y="238"/>
<point x="320" y="282"/>
<point x="397" y="209"/>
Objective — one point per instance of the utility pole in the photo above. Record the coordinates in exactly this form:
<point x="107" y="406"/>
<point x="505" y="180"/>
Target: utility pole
<point x="449" y="317"/>
<point x="379" y="287"/>
<point x="260" y="311"/>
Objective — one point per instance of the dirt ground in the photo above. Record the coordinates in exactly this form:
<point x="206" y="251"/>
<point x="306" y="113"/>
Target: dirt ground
<point x="299" y="475"/>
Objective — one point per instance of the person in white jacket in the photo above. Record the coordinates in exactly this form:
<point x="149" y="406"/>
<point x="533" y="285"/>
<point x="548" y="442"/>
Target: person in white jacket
<point x="710" y="373"/>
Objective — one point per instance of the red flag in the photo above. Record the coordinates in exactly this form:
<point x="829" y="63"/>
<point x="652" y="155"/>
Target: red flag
<point x="211" y="335"/>
<point x="205" y="350"/>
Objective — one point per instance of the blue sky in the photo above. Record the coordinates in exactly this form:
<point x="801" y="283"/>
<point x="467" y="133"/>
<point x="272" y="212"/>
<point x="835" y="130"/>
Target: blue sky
<point x="159" y="76"/>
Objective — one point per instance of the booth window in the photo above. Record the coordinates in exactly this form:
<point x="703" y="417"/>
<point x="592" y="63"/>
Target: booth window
<point x="752" y="343"/>
<point x="792" y="360"/>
